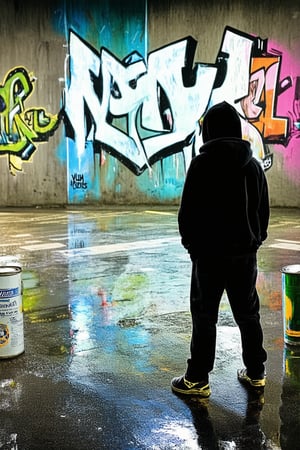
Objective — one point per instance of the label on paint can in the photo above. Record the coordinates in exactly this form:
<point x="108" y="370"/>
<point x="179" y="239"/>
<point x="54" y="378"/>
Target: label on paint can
<point x="11" y="312"/>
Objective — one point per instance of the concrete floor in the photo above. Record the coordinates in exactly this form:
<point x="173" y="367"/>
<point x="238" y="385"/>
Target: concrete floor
<point x="107" y="325"/>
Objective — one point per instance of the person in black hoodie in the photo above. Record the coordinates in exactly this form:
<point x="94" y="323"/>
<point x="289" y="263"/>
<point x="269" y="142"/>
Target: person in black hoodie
<point x="223" y="219"/>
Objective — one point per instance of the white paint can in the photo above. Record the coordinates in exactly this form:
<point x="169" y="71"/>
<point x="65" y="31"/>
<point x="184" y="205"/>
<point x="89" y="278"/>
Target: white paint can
<point x="11" y="312"/>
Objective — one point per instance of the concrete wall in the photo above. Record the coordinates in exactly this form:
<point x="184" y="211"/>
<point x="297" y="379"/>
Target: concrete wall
<point x="95" y="107"/>
<point x="32" y="61"/>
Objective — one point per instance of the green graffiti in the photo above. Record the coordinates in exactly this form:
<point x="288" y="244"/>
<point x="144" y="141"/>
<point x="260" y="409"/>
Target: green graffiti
<point x="20" y="128"/>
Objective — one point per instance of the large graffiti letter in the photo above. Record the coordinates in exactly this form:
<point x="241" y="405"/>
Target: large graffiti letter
<point x="266" y="70"/>
<point x="250" y="78"/>
<point x="186" y="91"/>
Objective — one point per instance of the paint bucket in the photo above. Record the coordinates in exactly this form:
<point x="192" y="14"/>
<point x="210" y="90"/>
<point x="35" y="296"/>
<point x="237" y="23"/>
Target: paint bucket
<point x="291" y="303"/>
<point x="11" y="312"/>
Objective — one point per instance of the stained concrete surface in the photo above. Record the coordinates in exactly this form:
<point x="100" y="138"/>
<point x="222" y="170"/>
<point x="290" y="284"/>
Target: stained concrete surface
<point x="107" y="325"/>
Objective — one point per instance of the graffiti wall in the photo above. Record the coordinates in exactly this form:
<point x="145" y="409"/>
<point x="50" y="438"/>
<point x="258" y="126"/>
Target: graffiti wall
<point x="123" y="118"/>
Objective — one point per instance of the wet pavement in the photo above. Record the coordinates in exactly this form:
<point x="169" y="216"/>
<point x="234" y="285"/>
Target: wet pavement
<point x="107" y="325"/>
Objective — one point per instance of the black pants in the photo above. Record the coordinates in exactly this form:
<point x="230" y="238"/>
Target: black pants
<point x="209" y="279"/>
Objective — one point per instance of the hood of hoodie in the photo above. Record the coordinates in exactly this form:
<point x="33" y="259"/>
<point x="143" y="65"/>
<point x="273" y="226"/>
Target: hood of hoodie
<point x="222" y="137"/>
<point x="221" y="120"/>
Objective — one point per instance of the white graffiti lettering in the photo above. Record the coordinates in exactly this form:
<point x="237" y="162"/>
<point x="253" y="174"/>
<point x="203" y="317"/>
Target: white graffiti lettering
<point x="137" y="93"/>
<point x="141" y="112"/>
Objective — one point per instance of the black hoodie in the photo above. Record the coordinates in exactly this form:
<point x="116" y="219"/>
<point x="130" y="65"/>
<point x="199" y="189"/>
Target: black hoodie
<point x="224" y="206"/>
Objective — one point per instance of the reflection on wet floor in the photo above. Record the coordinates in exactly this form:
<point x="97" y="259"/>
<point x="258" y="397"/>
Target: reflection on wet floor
<point x="249" y="435"/>
<point x="106" y="306"/>
<point x="290" y="399"/>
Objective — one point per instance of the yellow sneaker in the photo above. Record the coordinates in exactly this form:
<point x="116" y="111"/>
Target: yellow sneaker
<point x="182" y="386"/>
<point x="252" y="382"/>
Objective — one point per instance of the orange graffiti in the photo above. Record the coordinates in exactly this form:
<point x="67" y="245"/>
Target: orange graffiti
<point x="263" y="83"/>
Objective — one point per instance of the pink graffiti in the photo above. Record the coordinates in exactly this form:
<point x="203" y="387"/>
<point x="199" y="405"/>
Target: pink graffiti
<point x="288" y="104"/>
